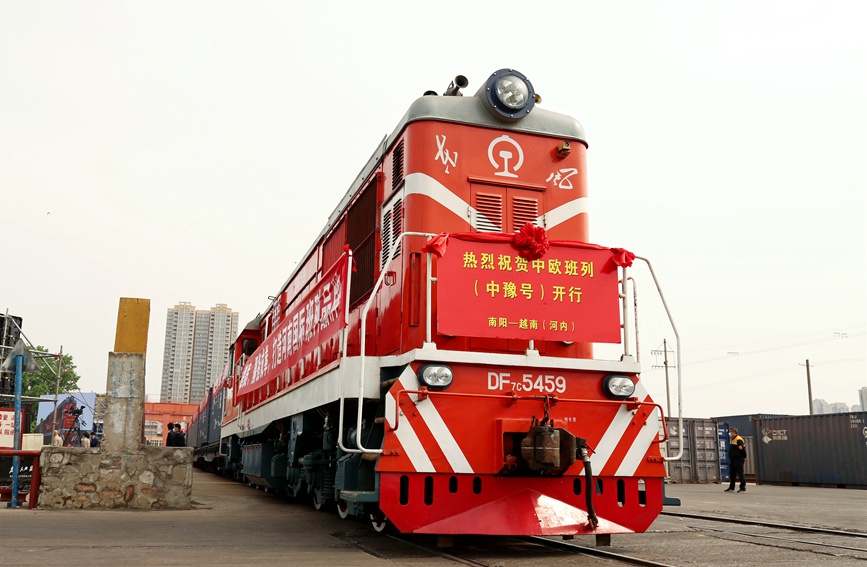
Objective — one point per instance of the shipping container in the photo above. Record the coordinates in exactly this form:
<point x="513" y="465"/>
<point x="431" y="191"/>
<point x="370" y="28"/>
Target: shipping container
<point x="700" y="460"/>
<point x="813" y="450"/>
<point x="746" y="426"/>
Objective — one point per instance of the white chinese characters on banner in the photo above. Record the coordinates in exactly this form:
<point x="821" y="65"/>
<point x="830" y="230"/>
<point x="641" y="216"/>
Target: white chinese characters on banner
<point x="298" y="333"/>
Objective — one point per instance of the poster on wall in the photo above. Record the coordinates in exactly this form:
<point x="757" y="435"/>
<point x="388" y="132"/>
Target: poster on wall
<point x="7" y="427"/>
<point x="72" y="416"/>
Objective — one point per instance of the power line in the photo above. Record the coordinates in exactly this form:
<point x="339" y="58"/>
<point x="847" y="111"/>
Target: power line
<point x="738" y="379"/>
<point x="820" y="332"/>
<point x="760" y="351"/>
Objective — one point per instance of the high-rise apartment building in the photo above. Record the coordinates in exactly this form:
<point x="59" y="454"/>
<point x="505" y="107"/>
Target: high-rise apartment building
<point x="821" y="407"/>
<point x="196" y="350"/>
<point x="862" y="397"/>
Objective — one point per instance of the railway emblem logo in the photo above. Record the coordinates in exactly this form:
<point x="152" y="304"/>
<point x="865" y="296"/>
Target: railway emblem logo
<point x="503" y="160"/>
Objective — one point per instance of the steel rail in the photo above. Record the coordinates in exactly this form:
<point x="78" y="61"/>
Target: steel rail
<point x="765" y="524"/>
<point x="780" y="538"/>
<point x="439" y="553"/>
<point x="595" y="551"/>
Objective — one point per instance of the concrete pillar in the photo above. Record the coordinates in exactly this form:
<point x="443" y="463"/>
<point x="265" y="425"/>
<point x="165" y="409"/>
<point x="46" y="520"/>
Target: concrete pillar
<point x="125" y="387"/>
<point x="124" y="412"/>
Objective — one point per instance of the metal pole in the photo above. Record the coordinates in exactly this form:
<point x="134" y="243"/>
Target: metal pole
<point x="809" y="387"/>
<point x="667" y="388"/>
<point x="3" y="339"/>
<point x="57" y="385"/>
<point x="16" y="442"/>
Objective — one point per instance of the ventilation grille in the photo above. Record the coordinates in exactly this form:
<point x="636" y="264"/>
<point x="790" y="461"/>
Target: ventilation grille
<point x="392" y="227"/>
<point x="397" y="166"/>
<point x="524" y="211"/>
<point x="490" y="213"/>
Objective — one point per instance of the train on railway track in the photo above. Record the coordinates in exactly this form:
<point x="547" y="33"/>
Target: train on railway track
<point x="430" y="362"/>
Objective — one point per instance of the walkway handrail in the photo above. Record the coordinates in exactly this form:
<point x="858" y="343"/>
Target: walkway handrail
<point x="35" y="476"/>
<point x="679" y="361"/>
<point x="367" y="306"/>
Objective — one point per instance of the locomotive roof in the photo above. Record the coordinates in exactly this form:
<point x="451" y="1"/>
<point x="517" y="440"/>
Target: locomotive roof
<point x="469" y="110"/>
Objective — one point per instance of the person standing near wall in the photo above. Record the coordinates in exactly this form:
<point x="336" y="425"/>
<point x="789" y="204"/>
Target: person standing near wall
<point x="737" y="458"/>
<point x="180" y="438"/>
<point x="170" y="436"/>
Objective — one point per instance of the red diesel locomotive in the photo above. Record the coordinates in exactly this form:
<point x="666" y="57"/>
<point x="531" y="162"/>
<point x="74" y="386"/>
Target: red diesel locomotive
<point x="430" y="362"/>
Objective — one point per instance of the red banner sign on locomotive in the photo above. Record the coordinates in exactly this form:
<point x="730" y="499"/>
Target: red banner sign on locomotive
<point x="486" y="289"/>
<point x="322" y="314"/>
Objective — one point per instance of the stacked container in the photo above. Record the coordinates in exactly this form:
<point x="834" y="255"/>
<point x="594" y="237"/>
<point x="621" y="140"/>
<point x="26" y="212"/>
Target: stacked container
<point x="813" y="450"/>
<point x="700" y="460"/>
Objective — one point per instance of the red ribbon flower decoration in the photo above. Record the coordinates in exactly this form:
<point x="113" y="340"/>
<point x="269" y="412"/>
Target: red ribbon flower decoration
<point x="530" y="242"/>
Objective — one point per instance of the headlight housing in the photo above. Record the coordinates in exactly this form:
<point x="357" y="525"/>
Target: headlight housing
<point x="509" y="95"/>
<point x="618" y="386"/>
<point x="435" y="376"/>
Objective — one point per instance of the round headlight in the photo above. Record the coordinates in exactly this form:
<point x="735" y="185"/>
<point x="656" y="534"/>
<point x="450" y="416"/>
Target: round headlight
<point x="509" y="95"/>
<point x="512" y="91"/>
<point x="618" y="386"/>
<point x="435" y="376"/>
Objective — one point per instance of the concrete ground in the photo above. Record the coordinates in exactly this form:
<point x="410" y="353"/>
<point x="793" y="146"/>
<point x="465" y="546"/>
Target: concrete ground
<point x="839" y="508"/>
<point x="232" y="524"/>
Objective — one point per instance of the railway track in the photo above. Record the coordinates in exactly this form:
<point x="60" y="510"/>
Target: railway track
<point x="831" y="542"/>
<point x="771" y="543"/>
<point x="485" y="551"/>
<point x="698" y="541"/>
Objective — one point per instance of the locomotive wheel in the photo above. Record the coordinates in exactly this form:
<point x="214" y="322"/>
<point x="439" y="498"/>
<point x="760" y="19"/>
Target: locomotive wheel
<point x="379" y="522"/>
<point x="343" y="509"/>
<point x="318" y="501"/>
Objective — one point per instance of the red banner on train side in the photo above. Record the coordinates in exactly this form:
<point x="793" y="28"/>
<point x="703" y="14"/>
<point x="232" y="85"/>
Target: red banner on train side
<point x="321" y="314"/>
<point x="486" y="289"/>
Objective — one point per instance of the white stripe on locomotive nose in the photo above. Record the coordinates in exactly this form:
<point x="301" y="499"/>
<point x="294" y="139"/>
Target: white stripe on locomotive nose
<point x="421" y="184"/>
<point x="639" y="448"/>
<point x="642" y="441"/>
<point x="407" y="438"/>
<point x="614" y="435"/>
<point x="426" y="185"/>
<point x="563" y="213"/>
<point x="610" y="440"/>
<point x="432" y="418"/>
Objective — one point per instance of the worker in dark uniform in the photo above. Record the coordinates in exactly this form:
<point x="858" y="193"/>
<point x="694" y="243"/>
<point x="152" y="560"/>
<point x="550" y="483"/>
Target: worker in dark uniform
<point x="170" y="437"/>
<point x="737" y="457"/>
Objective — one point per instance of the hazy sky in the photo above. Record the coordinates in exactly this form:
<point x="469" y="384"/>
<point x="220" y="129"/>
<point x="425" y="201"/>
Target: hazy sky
<point x="191" y="151"/>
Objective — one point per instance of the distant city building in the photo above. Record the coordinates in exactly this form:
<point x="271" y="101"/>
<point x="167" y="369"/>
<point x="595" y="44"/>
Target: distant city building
<point x="196" y="350"/>
<point x="862" y="397"/>
<point x="821" y="407"/>
<point x="856" y="407"/>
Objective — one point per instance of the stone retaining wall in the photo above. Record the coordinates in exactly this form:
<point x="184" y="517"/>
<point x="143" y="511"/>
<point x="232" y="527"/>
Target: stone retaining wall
<point x="149" y="478"/>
